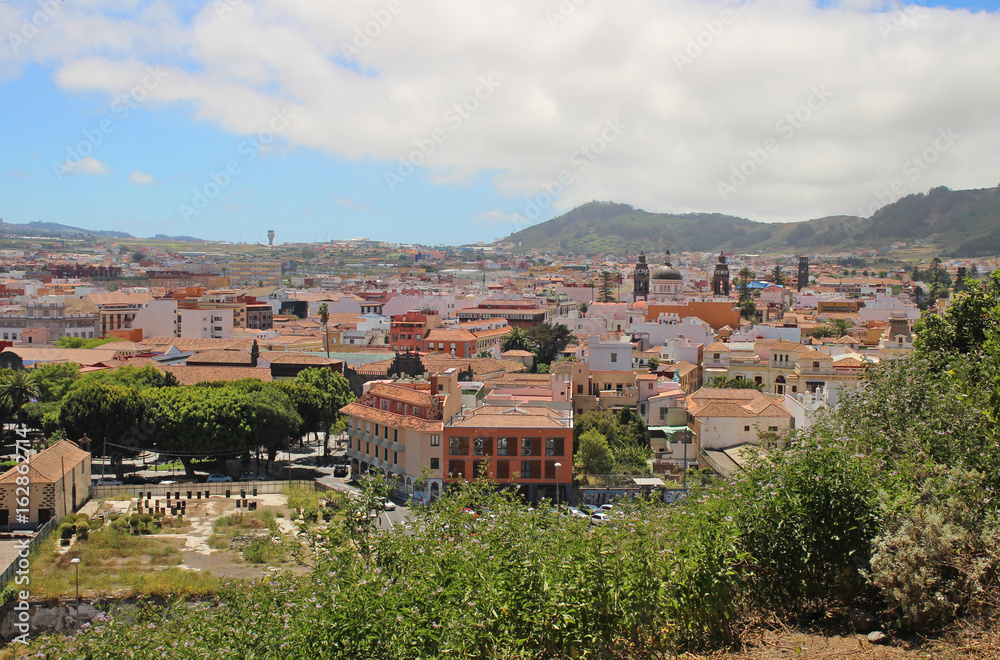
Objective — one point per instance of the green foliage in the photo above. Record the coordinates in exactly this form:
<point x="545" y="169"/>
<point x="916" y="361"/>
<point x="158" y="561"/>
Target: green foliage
<point x="515" y="340"/>
<point x="80" y="342"/>
<point x="738" y="383"/>
<point x="16" y="389"/>
<point x="549" y="339"/>
<point x="595" y="455"/>
<point x="54" y="379"/>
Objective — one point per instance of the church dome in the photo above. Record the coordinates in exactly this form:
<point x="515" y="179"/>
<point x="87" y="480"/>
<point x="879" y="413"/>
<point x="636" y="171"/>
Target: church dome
<point x="665" y="271"/>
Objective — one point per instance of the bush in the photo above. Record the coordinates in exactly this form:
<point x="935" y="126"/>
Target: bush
<point x="937" y="558"/>
<point x="66" y="530"/>
<point x="82" y="530"/>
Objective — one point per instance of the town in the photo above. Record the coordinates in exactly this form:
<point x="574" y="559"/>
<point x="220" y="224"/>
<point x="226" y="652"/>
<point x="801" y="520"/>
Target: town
<point x="390" y="376"/>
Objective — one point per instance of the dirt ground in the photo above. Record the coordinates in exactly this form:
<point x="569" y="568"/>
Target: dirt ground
<point x="791" y="643"/>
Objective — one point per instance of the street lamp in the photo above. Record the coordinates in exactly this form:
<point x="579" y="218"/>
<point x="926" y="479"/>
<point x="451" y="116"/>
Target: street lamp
<point x="557" y="466"/>
<point x="76" y="562"/>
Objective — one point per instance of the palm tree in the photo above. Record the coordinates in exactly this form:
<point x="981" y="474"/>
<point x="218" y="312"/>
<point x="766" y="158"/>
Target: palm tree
<point x="842" y="326"/>
<point x="18" y="388"/>
<point x="324" y="317"/>
<point x="515" y="340"/>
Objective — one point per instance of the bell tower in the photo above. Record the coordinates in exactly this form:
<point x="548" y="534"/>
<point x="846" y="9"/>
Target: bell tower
<point x="720" y="281"/>
<point x="640" y="279"/>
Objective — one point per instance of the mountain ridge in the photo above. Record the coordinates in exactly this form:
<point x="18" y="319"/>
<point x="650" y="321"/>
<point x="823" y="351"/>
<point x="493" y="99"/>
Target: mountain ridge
<point x="960" y="223"/>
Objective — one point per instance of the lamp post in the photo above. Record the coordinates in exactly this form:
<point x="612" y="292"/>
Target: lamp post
<point x="557" y="466"/>
<point x="76" y="562"/>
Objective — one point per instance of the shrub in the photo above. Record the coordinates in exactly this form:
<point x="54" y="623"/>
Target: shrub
<point x="66" y="530"/>
<point x="82" y="530"/>
<point x="937" y="557"/>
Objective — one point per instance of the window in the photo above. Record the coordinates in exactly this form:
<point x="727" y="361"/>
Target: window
<point x="663" y="414"/>
<point x="482" y="446"/>
<point x="435" y="441"/>
<point x="503" y="469"/>
<point x="746" y="428"/>
<point x="385" y="454"/>
<point x="435" y="463"/>
<point x="579" y="389"/>
<point x="554" y="446"/>
<point x="715" y="356"/>
<point x="456" y="469"/>
<point x="395" y="435"/>
<point x="550" y="469"/>
<point x="502" y="447"/>
<point x="815" y="365"/>
<point x="395" y="458"/>
<point x="368" y="448"/>
<point x="772" y="429"/>
<point x="458" y="446"/>
<point x="614" y="357"/>
<point x="530" y="469"/>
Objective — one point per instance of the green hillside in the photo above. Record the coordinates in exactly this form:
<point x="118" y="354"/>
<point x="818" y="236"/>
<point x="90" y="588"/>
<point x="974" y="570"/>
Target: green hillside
<point x="963" y="223"/>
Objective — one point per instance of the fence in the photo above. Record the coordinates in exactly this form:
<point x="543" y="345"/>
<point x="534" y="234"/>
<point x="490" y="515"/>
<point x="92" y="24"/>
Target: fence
<point x="206" y="490"/>
<point x="40" y="535"/>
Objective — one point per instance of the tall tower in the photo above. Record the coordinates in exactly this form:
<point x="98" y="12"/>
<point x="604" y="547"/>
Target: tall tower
<point x="720" y="281"/>
<point x="640" y="279"/>
<point x="270" y="237"/>
<point x="803" y="276"/>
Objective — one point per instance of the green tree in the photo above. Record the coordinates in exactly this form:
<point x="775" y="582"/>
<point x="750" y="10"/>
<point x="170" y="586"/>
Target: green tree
<point x="137" y="257"/>
<point x="55" y="379"/>
<point x="324" y="319"/>
<point x="595" y="456"/>
<point x="16" y="389"/>
<point x="549" y="339"/>
<point x="336" y="393"/>
<point x="79" y="342"/>
<point x="516" y="340"/>
<point x="778" y="275"/>
<point x="583" y="309"/>
<point x="607" y="290"/>
<point x="738" y="383"/>
<point x="841" y="326"/>
<point x="107" y="413"/>
<point x="960" y="275"/>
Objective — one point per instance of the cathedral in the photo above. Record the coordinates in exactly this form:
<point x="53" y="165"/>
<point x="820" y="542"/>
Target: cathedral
<point x="661" y="284"/>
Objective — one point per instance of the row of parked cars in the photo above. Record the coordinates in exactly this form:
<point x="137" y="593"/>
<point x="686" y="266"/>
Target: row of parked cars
<point x="139" y="480"/>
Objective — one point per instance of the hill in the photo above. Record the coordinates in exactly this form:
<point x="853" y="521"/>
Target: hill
<point x="55" y="230"/>
<point x="961" y="223"/>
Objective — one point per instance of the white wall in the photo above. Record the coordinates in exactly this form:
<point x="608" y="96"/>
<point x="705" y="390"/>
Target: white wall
<point x="157" y="318"/>
<point x="201" y="323"/>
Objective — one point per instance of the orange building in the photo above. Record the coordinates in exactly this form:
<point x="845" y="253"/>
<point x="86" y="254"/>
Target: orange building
<point x="716" y="313"/>
<point x="531" y="447"/>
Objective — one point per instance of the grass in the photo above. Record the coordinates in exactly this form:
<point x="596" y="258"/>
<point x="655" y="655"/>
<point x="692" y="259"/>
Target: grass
<point x="303" y="497"/>
<point x="225" y="528"/>
<point x="120" y="564"/>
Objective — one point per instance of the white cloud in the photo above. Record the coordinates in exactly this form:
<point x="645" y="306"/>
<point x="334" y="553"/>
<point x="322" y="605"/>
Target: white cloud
<point x="498" y="218"/>
<point x="141" y="178"/>
<point x="86" y="166"/>
<point x="346" y="202"/>
<point x="701" y="86"/>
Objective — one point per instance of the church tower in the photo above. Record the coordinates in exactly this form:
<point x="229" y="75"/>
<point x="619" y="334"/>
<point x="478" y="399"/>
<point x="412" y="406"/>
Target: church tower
<point x="640" y="279"/>
<point x="720" y="281"/>
<point x="803" y="275"/>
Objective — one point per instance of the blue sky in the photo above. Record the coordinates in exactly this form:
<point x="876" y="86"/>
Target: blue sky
<point x="511" y="115"/>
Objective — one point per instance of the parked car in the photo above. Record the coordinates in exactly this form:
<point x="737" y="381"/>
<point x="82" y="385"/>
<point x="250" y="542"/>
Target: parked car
<point x="341" y="471"/>
<point x="589" y="508"/>
<point x="606" y="507"/>
<point x="169" y="482"/>
<point x="576" y="513"/>
<point x="250" y="476"/>
<point x="137" y="480"/>
<point x="600" y="519"/>
<point x="216" y="478"/>
<point x="388" y="505"/>
<point x="108" y="481"/>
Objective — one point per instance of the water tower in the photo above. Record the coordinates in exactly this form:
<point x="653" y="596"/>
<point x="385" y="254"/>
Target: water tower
<point x="270" y="237"/>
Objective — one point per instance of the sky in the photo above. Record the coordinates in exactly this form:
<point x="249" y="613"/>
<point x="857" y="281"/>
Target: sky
<point x="439" y="122"/>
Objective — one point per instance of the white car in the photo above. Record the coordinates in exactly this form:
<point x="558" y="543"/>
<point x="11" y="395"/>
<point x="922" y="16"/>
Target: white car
<point x="388" y="505"/>
<point x="606" y="507"/>
<point x="600" y="519"/>
<point x="576" y="513"/>
<point x="108" y="481"/>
